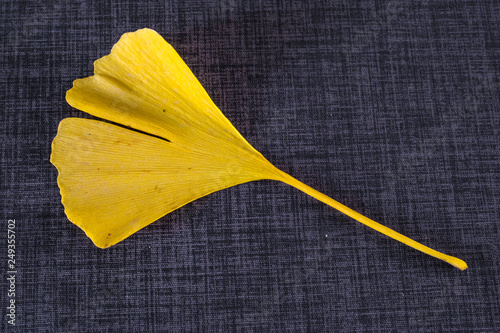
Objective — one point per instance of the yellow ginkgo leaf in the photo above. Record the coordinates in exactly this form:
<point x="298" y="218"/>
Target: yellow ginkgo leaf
<point x="179" y="147"/>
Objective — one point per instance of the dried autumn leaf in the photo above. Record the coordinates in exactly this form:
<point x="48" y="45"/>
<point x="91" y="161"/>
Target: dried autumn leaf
<point x="115" y="181"/>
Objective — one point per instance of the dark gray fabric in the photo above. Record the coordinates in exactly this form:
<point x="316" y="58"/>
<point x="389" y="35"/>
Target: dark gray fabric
<point x="390" y="107"/>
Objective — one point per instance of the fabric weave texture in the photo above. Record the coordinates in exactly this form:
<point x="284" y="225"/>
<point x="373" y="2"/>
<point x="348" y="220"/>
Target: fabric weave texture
<point x="390" y="107"/>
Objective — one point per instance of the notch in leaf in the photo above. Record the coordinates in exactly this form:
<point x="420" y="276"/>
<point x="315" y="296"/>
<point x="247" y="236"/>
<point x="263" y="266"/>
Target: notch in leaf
<point x="115" y="181"/>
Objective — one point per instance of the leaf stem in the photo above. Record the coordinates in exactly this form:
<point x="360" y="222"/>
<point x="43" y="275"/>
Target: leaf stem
<point x="456" y="262"/>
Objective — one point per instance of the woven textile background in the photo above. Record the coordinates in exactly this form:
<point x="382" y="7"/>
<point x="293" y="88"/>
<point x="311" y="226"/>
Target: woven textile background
<point x="390" y="107"/>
